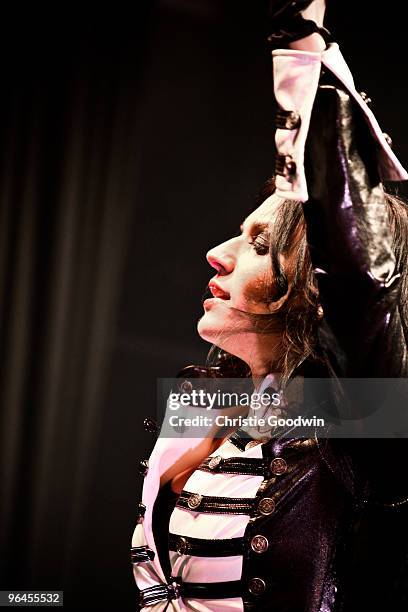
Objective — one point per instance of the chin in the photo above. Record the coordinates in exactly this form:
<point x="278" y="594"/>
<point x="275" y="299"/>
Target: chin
<point x="207" y="327"/>
<point x="213" y="329"/>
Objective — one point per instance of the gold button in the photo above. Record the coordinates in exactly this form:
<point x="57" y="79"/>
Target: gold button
<point x="290" y="166"/>
<point x="278" y="466"/>
<point x="150" y="425"/>
<point x="366" y="97"/>
<point x="292" y="120"/>
<point x="141" y="510"/>
<point x="186" y="386"/>
<point x="256" y="586"/>
<point x="259" y="544"/>
<point x="214" y="462"/>
<point x="144" y="466"/>
<point x="266" y="506"/>
<point x="194" y="500"/>
<point x="388" y="138"/>
<point x="173" y="590"/>
<point x="182" y="546"/>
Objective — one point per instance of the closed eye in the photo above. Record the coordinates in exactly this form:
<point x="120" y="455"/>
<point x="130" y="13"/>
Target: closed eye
<point x="260" y="243"/>
<point x="258" y="236"/>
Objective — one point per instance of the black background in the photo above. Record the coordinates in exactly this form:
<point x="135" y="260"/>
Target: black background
<point x="198" y="75"/>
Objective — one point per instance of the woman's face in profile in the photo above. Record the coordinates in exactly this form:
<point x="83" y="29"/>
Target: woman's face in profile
<point x="243" y="284"/>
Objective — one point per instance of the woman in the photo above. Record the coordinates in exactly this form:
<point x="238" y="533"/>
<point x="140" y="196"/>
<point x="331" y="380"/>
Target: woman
<point x="314" y="286"/>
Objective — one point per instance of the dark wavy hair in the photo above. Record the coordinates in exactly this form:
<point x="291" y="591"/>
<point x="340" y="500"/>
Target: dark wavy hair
<point x="300" y="315"/>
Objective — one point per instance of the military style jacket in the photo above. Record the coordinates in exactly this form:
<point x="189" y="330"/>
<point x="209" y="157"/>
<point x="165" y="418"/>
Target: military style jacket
<point x="267" y="524"/>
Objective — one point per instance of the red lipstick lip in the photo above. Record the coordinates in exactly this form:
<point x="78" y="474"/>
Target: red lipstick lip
<point x="217" y="291"/>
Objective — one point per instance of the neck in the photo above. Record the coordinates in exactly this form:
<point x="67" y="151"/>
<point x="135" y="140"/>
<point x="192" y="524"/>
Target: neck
<point x="261" y="352"/>
<point x="264" y="358"/>
<point x="261" y="369"/>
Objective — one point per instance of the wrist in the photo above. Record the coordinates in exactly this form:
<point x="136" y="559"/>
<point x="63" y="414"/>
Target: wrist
<point x="314" y="42"/>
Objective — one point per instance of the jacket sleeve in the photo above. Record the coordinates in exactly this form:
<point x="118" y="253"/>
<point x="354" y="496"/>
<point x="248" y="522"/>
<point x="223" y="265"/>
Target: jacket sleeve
<point x="332" y="156"/>
<point x="360" y="283"/>
<point x="350" y="239"/>
<point x="334" y="161"/>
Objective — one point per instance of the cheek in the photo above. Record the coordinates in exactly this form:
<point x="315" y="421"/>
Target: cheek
<point x="257" y="290"/>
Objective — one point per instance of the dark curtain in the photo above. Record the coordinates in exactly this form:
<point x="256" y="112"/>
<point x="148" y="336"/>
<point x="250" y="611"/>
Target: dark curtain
<point x="129" y="145"/>
<point x="70" y="147"/>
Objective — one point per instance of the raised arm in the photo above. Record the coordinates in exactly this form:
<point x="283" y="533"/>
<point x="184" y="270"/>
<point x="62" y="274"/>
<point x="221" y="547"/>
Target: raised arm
<point x="332" y="156"/>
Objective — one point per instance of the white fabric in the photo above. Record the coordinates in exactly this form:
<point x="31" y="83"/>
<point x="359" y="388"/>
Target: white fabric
<point x="169" y="448"/>
<point x="296" y="78"/>
<point x="166" y="451"/>
<point x="146" y="574"/>
<point x="214" y="526"/>
<point x="195" y="524"/>
<point x="201" y="525"/>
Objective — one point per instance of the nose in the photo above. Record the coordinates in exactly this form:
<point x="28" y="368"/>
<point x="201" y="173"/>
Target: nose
<point x="222" y="258"/>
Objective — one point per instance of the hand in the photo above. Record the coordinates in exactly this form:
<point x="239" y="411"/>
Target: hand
<point x="298" y="24"/>
<point x="314" y="42"/>
<point x="315" y="12"/>
<point x="286" y="9"/>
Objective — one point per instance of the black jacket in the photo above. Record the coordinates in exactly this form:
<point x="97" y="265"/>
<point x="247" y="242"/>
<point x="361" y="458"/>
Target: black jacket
<point x="321" y="522"/>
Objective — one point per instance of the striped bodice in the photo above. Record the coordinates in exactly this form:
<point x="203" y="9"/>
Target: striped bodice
<point x="207" y="542"/>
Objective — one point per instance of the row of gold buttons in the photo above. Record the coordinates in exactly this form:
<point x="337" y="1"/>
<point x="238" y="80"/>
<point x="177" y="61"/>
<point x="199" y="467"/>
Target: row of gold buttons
<point x="266" y="505"/>
<point x="259" y="544"/>
<point x="278" y="466"/>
